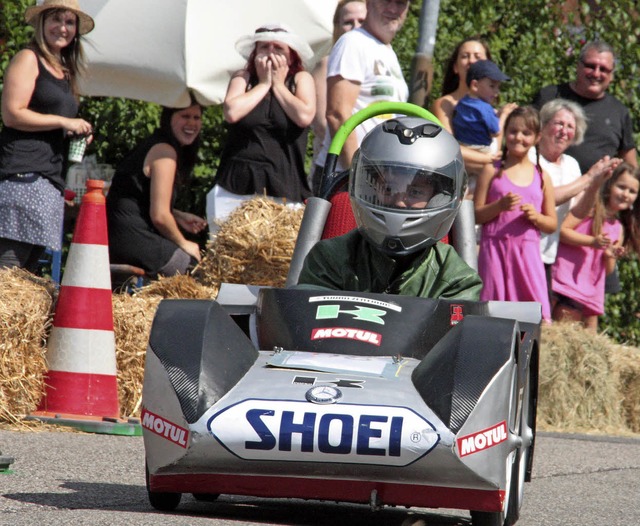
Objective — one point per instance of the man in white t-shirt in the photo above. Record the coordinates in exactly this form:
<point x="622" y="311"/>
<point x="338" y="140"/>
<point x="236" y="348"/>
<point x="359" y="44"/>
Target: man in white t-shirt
<point x="362" y="69"/>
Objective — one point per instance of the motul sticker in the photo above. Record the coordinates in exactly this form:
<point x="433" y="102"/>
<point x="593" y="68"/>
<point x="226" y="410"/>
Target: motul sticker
<point x="286" y="430"/>
<point x="347" y="333"/>
<point x="161" y="427"/>
<point x="482" y="440"/>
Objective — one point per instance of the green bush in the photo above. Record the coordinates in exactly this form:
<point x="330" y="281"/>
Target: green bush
<point x="536" y="42"/>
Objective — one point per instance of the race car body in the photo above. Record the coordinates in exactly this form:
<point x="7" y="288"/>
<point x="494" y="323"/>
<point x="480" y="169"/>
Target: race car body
<point x="341" y="396"/>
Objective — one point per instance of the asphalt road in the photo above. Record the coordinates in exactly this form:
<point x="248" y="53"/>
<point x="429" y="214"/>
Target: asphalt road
<point x="62" y="478"/>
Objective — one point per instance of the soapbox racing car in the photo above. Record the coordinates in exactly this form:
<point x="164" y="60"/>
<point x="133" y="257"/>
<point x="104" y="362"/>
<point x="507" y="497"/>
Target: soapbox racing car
<point x="341" y="396"/>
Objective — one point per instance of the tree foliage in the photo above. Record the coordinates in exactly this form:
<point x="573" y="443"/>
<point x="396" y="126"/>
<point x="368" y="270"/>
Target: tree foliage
<point x="536" y="42"/>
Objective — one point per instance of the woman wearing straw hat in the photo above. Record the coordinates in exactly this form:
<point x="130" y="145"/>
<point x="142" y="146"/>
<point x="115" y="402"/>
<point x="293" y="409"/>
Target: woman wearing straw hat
<point x="39" y="109"/>
<point x="269" y="105"/>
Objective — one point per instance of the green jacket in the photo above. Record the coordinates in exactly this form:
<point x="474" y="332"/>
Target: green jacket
<point x="349" y="262"/>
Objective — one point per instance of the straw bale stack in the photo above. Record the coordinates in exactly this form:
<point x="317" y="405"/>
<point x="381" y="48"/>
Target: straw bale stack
<point x="132" y="319"/>
<point x="253" y="246"/>
<point x="588" y="383"/>
<point x="25" y="320"/>
<point x="179" y="287"/>
<point x="625" y="364"/>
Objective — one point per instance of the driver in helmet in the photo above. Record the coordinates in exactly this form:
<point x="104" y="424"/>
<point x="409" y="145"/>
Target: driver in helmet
<point x="406" y="185"/>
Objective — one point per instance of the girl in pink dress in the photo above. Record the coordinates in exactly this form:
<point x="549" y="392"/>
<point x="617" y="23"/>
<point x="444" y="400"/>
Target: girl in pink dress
<point x="589" y="248"/>
<point x="514" y="202"/>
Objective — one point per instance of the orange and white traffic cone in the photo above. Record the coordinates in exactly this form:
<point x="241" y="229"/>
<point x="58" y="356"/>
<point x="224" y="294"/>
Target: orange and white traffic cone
<point x="81" y="384"/>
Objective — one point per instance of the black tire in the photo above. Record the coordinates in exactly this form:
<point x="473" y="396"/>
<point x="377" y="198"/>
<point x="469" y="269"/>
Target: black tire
<point x="510" y="514"/>
<point x="486" y="518"/>
<point x="206" y="497"/>
<point x="162" y="501"/>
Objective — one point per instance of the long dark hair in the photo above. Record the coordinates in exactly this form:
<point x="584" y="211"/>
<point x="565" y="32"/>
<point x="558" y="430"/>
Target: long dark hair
<point x="452" y="79"/>
<point x="187" y="154"/>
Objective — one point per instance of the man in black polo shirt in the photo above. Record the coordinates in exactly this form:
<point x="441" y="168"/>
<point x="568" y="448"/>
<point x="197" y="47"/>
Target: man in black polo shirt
<point x="610" y="130"/>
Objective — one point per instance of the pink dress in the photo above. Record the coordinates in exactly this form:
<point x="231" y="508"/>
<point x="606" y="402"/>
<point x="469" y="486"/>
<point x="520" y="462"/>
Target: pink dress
<point x="579" y="272"/>
<point x="509" y="260"/>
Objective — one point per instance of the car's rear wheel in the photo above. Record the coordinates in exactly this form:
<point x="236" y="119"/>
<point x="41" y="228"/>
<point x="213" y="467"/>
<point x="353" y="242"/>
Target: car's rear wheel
<point x="160" y="500"/>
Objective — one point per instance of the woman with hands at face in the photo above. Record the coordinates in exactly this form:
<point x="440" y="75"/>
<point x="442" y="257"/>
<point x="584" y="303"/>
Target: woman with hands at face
<point x="268" y="106"/>
<point x="39" y="113"/>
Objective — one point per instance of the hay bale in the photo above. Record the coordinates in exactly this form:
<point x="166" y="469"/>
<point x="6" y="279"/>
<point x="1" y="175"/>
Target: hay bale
<point x="253" y="246"/>
<point x="132" y="320"/>
<point x="580" y="390"/>
<point x="179" y="287"/>
<point x="25" y="318"/>
<point x="625" y="364"/>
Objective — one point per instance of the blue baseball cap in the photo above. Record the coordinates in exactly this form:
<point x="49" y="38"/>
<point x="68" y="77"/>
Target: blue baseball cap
<point x="485" y="69"/>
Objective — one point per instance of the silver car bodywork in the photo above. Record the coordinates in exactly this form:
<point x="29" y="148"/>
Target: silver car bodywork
<point x="349" y="397"/>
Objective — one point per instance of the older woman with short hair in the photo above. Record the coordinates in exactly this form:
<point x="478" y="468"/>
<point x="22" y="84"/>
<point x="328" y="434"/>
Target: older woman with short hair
<point x="563" y="123"/>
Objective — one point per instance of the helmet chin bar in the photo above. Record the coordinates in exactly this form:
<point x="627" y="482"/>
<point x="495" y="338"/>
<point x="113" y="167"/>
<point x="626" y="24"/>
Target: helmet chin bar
<point x="393" y="247"/>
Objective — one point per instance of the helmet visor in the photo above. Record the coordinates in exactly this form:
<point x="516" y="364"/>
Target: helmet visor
<point x="402" y="187"/>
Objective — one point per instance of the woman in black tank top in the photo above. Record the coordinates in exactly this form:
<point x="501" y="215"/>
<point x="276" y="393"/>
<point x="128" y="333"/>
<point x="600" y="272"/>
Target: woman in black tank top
<point x="145" y="229"/>
<point x="39" y="112"/>
<point x="268" y="106"/>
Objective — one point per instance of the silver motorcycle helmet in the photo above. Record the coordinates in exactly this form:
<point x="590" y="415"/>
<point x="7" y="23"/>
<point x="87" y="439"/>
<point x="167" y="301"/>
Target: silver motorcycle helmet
<point x="406" y="185"/>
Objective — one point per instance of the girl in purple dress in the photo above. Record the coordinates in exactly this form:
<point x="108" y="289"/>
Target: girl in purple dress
<point x="514" y="202"/>
<point x="589" y="248"/>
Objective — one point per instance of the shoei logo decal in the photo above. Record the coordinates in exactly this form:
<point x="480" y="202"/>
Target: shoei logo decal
<point x="331" y="312"/>
<point x="302" y="432"/>
<point x="161" y="427"/>
<point x="482" y="440"/>
<point x="456" y="314"/>
<point x="348" y="334"/>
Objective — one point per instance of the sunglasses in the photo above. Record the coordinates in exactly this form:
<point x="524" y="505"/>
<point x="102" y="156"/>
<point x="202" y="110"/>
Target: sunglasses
<point x="594" y="67"/>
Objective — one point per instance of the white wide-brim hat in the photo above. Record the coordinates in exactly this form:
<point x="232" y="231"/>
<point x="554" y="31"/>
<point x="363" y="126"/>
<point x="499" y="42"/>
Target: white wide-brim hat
<point x="275" y="33"/>
<point x="85" y="22"/>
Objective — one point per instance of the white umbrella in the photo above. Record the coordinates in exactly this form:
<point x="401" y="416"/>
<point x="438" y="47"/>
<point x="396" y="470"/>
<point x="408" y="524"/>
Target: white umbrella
<point x="159" y="50"/>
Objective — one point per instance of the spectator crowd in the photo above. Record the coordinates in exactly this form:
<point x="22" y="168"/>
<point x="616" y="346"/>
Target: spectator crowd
<point x="553" y="180"/>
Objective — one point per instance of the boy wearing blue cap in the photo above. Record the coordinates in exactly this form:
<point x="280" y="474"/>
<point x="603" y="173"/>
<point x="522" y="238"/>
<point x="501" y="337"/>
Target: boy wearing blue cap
<point x="475" y="121"/>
